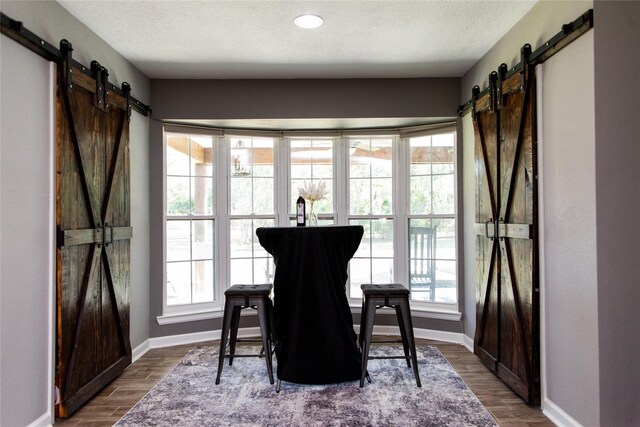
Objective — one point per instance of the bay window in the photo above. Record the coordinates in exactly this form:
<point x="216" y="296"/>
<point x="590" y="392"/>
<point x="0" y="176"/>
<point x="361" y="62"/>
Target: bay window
<point x="222" y="185"/>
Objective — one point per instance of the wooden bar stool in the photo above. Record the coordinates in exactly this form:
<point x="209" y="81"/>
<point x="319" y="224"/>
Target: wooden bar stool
<point x="239" y="297"/>
<point x="387" y="295"/>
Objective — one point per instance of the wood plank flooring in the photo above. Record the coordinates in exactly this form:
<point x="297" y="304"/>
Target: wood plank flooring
<point x="117" y="398"/>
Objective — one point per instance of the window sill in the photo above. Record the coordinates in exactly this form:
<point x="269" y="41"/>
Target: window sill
<point x="189" y="316"/>
<point x="452" y="315"/>
<point x="216" y="313"/>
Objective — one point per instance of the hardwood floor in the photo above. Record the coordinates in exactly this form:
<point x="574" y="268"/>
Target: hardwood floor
<point x="121" y="395"/>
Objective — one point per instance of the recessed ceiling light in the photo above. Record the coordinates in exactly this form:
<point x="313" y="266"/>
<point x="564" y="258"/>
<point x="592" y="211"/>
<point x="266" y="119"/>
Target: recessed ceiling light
<point x="308" y="21"/>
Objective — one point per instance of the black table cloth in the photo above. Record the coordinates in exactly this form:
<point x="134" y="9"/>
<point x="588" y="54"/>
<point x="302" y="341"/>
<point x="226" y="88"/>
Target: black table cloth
<point x="316" y="343"/>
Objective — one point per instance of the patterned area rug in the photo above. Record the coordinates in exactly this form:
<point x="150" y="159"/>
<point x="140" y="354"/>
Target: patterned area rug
<point x="187" y="396"/>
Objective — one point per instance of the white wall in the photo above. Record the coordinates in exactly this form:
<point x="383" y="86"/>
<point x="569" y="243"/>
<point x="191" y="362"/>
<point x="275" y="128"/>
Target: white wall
<point x="27" y="218"/>
<point x="26" y="251"/>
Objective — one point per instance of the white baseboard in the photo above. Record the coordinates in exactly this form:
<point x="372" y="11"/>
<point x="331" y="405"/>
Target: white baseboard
<point x="467" y="342"/>
<point x="557" y="415"/>
<point x="194" y="338"/>
<point x="43" y="421"/>
<point x="140" y="350"/>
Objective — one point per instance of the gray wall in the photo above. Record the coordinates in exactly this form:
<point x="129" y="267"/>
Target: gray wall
<point x="26" y="250"/>
<point x="590" y="192"/>
<point x="541" y="23"/>
<point x="280" y="99"/>
<point x="26" y="190"/>
<point x="569" y="248"/>
<point x="617" y="153"/>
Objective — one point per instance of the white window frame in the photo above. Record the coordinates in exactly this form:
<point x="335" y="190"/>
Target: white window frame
<point x="400" y="214"/>
<point x="194" y="311"/>
<point x="427" y="306"/>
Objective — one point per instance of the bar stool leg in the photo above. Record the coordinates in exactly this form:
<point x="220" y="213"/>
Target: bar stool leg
<point x="226" y="323"/>
<point x="368" y="318"/>
<point x="263" y="319"/>
<point x="235" y="323"/>
<point x="363" y="316"/>
<point x="408" y="326"/>
<point x="403" y="334"/>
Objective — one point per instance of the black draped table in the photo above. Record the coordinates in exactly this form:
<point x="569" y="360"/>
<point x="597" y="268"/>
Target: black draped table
<point x="316" y="343"/>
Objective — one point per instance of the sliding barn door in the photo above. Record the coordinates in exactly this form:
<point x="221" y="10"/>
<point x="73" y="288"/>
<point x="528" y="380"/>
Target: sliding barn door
<point x="506" y="338"/>
<point x="93" y="222"/>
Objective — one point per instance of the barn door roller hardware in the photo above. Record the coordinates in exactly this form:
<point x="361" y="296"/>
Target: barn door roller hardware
<point x="63" y="56"/>
<point x="529" y="59"/>
<point x="500" y="97"/>
<point x="66" y="65"/>
<point x="102" y="84"/>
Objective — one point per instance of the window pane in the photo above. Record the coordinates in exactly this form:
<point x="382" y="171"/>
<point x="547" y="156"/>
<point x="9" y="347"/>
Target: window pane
<point x="178" y="200"/>
<point x="178" y="283"/>
<point x="247" y="253"/>
<point x="420" y="152"/>
<point x="371" y="185"/>
<point x="360" y="196"/>
<point x="359" y="170"/>
<point x="201" y="155"/>
<point x="177" y="153"/>
<point x="381" y="197"/>
<point x="300" y="171"/>
<point x="445" y="239"/>
<point x="359" y="273"/>
<point x="443" y="192"/>
<point x="241" y="272"/>
<point x="420" y="194"/>
<point x="432" y="254"/>
<point x="263" y="196"/>
<point x="432" y="264"/>
<point x="241" y="196"/>
<point x="432" y="178"/>
<point x="202" y="239"/>
<point x="382" y="271"/>
<point x="382" y="238"/>
<point x="202" y="274"/>
<point x="189" y="154"/>
<point x="312" y="163"/>
<point x="202" y="195"/>
<point x="381" y="157"/>
<point x="263" y="270"/>
<point x="252" y="172"/>
<point x="373" y="261"/>
<point x="241" y="236"/>
<point x="189" y="192"/>
<point x="258" y="250"/>
<point x="178" y="241"/>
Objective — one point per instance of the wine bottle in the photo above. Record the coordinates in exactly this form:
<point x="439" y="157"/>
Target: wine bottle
<point x="300" y="212"/>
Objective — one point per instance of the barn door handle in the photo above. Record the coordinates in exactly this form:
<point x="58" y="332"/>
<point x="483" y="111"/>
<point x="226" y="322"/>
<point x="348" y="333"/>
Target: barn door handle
<point x="486" y="228"/>
<point x="108" y="241"/>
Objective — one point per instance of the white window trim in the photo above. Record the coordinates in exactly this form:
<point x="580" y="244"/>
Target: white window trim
<point x="205" y="311"/>
<point x="186" y="312"/>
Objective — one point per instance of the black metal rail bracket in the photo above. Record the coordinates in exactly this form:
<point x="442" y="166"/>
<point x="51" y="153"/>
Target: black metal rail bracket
<point x="63" y="57"/>
<point x="528" y="60"/>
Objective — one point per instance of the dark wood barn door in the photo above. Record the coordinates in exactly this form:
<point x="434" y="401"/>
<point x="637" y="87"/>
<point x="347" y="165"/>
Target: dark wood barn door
<point x="506" y="338"/>
<point x="93" y="222"/>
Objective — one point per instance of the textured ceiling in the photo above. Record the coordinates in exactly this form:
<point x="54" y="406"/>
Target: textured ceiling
<point x="257" y="39"/>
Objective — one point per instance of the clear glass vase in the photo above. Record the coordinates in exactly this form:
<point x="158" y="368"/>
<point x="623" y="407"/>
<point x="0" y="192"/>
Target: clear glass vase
<point x="313" y="216"/>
